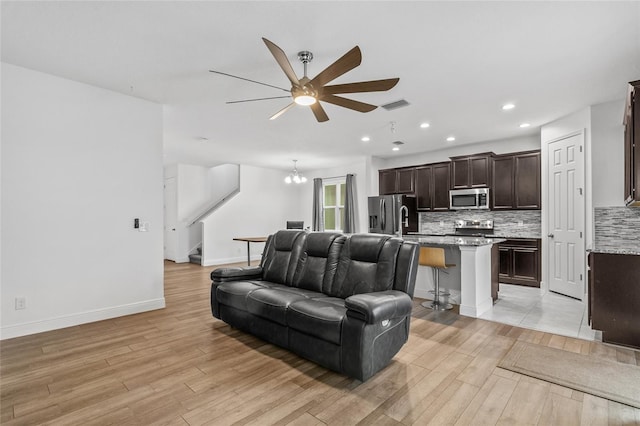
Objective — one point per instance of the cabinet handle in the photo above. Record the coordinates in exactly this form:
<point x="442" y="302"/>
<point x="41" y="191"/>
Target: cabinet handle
<point x="550" y="235"/>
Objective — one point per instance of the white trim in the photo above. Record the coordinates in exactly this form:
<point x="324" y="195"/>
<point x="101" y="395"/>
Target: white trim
<point x="25" y="329"/>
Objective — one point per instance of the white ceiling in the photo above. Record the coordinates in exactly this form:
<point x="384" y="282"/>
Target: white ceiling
<point x="458" y="62"/>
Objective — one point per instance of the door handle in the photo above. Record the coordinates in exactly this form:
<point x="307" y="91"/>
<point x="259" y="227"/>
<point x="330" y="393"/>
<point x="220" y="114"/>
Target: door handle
<point x="550" y="235"/>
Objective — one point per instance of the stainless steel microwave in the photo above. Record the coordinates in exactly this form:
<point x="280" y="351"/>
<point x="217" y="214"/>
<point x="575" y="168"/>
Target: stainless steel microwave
<point x="469" y="199"/>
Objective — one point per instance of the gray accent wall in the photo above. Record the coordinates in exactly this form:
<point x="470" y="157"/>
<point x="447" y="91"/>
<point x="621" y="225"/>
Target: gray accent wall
<point x="509" y="224"/>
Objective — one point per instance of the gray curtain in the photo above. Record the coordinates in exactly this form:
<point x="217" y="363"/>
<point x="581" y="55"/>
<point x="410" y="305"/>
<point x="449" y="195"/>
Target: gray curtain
<point x="317" y="218"/>
<point x="350" y="225"/>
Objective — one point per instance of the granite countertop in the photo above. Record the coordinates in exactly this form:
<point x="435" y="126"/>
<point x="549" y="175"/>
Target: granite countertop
<point x="510" y="236"/>
<point x="614" y="250"/>
<point x="451" y="241"/>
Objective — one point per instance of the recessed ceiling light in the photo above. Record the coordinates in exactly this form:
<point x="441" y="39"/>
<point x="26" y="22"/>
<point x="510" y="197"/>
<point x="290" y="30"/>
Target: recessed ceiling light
<point x="424" y="125"/>
<point x="365" y="139"/>
<point x="395" y="148"/>
<point x="507" y="107"/>
<point x="525" y="125"/>
<point x="451" y="139"/>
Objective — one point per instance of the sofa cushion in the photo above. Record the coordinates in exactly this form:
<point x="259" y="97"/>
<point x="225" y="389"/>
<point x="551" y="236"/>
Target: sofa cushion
<point x="367" y="264"/>
<point x="319" y="317"/>
<point x="281" y="256"/>
<point x="234" y="293"/>
<point x="272" y="303"/>
<point x="318" y="261"/>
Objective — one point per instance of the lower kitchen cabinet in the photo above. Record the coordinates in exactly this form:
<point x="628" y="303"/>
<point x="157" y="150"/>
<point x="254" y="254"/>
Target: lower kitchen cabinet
<point x="614" y="297"/>
<point x="520" y="262"/>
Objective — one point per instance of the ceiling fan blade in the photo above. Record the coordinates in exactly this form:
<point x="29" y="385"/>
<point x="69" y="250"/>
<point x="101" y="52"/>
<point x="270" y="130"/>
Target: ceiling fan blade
<point x="319" y="112"/>
<point x="346" y="63"/>
<point x="281" y="59"/>
<point x="348" y="103"/>
<point x="282" y="111"/>
<point x="247" y="79"/>
<point x="257" y="99"/>
<point x="362" y="86"/>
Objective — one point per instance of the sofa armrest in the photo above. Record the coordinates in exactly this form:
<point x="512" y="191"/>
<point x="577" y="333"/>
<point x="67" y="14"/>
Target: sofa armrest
<point x="222" y="275"/>
<point x="378" y="306"/>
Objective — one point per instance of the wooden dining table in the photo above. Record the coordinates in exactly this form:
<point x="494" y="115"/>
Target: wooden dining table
<point x="250" y="240"/>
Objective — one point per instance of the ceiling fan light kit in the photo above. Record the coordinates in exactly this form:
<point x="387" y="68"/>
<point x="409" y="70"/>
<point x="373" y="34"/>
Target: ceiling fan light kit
<point x="310" y="92"/>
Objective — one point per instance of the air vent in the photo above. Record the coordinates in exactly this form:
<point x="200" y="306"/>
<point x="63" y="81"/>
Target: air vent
<point x="395" y="105"/>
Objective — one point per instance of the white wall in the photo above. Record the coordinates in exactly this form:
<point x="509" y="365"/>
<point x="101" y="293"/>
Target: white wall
<point x="79" y="163"/>
<point x="263" y="206"/>
<point x="607" y="154"/>
<point x="363" y="185"/>
<point x="192" y="190"/>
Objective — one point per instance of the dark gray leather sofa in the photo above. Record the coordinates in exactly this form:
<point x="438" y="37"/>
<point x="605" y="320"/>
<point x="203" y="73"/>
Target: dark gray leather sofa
<point x="341" y="301"/>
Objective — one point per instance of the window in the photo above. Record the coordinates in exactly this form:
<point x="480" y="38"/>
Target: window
<point x="334" y="191"/>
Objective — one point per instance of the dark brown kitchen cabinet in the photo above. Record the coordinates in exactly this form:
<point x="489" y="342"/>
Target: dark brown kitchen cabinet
<point x="516" y="181"/>
<point x="520" y="262"/>
<point x="396" y="181"/>
<point x="502" y="186"/>
<point x="632" y="146"/>
<point x="471" y="171"/>
<point x="432" y="183"/>
<point x="614" y="297"/>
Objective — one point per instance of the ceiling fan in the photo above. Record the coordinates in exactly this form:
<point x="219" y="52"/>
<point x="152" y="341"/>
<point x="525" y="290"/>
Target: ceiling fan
<point x="310" y="92"/>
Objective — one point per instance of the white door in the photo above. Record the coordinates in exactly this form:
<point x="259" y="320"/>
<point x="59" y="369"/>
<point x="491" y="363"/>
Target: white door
<point x="566" y="216"/>
<point x="170" y="219"/>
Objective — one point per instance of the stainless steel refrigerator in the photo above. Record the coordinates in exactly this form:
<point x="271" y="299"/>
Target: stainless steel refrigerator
<point x="393" y="214"/>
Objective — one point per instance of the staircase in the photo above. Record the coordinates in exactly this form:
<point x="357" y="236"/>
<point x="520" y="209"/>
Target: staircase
<point x="196" y="257"/>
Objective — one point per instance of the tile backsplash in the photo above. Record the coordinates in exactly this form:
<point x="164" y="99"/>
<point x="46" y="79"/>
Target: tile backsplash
<point x="512" y="223"/>
<point x="616" y="228"/>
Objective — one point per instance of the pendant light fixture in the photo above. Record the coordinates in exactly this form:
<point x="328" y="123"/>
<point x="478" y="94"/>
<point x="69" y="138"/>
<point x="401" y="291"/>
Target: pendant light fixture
<point x="294" y="176"/>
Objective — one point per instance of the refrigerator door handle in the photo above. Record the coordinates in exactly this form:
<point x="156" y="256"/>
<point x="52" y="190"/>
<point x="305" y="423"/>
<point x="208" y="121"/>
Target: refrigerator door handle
<point x="383" y="215"/>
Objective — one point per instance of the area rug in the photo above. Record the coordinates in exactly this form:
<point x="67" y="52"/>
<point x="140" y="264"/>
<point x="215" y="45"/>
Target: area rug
<point x="600" y="377"/>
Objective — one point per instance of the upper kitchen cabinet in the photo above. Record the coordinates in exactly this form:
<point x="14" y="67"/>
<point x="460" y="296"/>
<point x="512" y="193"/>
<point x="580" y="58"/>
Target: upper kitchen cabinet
<point x="516" y="181"/>
<point x="396" y="181"/>
<point x="631" y="148"/>
<point x="471" y="171"/>
<point x="432" y="183"/>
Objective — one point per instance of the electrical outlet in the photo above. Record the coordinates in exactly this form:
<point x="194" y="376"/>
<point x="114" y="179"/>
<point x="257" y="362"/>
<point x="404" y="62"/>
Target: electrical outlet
<point x="21" y="303"/>
<point x="442" y="223"/>
<point x="520" y="223"/>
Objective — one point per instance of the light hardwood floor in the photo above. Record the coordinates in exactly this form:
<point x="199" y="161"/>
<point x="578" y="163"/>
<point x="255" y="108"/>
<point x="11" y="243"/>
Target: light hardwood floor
<point x="181" y="366"/>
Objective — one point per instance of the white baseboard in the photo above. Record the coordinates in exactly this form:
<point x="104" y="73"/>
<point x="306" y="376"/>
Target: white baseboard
<point x="182" y="260"/>
<point x="34" y="327"/>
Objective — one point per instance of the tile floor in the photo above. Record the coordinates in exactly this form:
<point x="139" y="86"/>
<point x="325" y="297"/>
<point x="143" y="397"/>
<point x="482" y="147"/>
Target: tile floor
<point x="535" y="309"/>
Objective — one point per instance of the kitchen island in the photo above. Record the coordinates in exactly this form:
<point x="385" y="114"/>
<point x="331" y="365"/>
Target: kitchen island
<point x="472" y="276"/>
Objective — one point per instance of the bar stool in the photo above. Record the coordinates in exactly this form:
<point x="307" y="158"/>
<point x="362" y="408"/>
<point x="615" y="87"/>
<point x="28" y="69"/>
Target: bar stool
<point x="434" y="257"/>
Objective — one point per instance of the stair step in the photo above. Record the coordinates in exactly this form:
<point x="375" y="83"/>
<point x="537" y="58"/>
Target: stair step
<point x="195" y="258"/>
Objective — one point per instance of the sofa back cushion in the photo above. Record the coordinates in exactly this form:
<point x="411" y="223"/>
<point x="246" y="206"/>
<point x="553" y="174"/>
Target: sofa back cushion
<point x="281" y="255"/>
<point x="318" y="262"/>
<point x="367" y="263"/>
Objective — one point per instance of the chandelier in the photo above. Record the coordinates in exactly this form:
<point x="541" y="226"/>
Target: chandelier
<point x="294" y="176"/>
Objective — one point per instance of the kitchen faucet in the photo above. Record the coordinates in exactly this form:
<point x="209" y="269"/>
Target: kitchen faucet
<point x="404" y="219"/>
